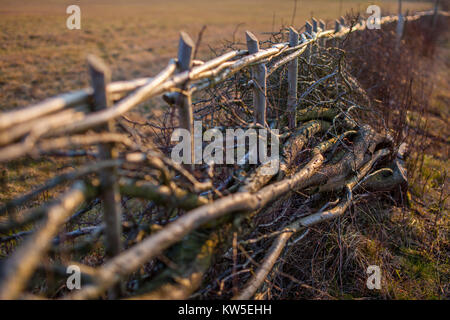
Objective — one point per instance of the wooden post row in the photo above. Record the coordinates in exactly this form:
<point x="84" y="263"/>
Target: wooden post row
<point x="292" y="81"/>
<point x="259" y="75"/>
<point x="109" y="188"/>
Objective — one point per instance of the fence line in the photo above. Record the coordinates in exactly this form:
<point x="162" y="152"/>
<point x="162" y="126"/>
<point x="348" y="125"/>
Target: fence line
<point x="64" y="116"/>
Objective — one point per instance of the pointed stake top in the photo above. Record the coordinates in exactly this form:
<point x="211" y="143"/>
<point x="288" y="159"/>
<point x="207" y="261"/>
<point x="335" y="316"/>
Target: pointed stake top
<point x="252" y="42"/>
<point x="315" y="24"/>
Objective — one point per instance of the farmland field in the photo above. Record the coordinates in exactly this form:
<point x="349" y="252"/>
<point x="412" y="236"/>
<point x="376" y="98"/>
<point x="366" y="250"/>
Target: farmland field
<point x="40" y="57"/>
<point x="397" y="87"/>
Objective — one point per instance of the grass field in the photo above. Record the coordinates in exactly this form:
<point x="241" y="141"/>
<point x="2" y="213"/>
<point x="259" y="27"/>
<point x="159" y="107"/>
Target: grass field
<point x="40" y="57"/>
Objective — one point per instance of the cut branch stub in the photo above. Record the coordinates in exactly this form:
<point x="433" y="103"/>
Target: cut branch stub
<point x="259" y="75"/>
<point x="315" y="25"/>
<point x="109" y="189"/>
<point x="292" y="80"/>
